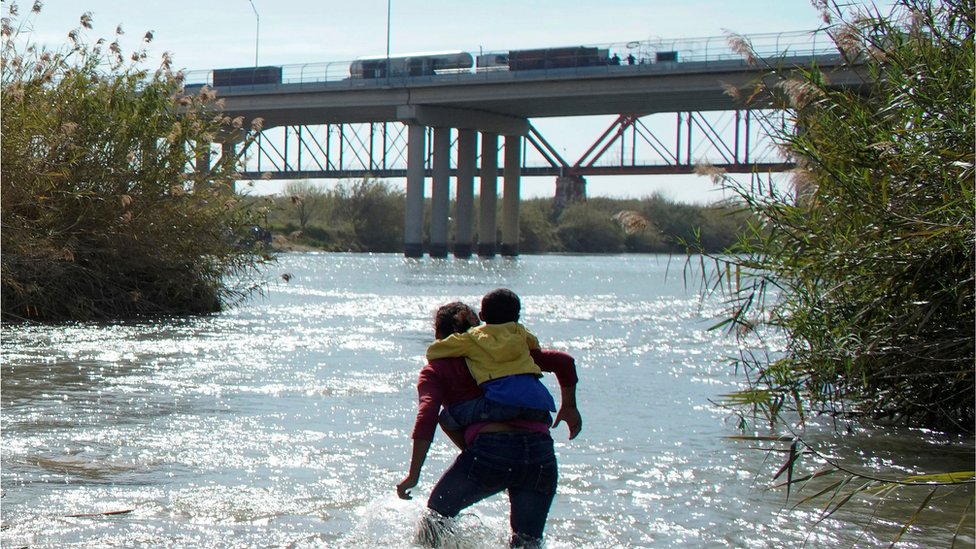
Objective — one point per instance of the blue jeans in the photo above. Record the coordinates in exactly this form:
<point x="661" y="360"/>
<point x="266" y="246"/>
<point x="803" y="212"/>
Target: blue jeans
<point x="459" y="415"/>
<point x="522" y="463"/>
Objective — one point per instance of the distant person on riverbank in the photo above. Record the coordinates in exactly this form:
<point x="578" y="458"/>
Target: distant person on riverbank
<point x="497" y="354"/>
<point x="517" y="456"/>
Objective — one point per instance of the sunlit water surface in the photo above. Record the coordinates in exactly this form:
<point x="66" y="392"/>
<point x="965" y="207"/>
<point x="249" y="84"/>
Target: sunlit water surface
<point x="285" y="421"/>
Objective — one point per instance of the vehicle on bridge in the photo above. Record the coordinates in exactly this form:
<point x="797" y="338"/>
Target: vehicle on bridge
<point x="452" y="62"/>
<point x="557" y="58"/>
<point x="440" y="63"/>
<point x="543" y="59"/>
<point x="415" y="64"/>
<point x="246" y="76"/>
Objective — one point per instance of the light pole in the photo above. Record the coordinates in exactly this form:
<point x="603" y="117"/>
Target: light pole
<point x="257" y="32"/>
<point x="389" y="4"/>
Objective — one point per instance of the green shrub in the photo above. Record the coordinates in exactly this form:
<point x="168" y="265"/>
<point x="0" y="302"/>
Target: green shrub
<point x="584" y="229"/>
<point x="99" y="219"/>
<point x="376" y="212"/>
<point x="536" y="233"/>
<point x="646" y="241"/>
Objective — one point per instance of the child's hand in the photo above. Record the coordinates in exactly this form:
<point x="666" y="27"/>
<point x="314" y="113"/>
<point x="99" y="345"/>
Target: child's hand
<point x="403" y="489"/>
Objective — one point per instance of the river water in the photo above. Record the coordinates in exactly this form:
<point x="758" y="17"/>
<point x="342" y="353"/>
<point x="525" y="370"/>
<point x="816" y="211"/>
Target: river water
<point x="285" y="421"/>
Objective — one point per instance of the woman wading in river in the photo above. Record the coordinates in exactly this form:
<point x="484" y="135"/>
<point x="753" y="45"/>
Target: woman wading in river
<point x="517" y="456"/>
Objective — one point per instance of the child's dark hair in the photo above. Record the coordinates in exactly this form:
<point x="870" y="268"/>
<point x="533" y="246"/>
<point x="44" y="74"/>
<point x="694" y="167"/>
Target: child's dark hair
<point x="453" y="318"/>
<point x="500" y="306"/>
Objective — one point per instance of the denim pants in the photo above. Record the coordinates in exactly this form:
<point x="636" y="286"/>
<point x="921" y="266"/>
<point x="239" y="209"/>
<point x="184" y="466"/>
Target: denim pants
<point x="522" y="463"/>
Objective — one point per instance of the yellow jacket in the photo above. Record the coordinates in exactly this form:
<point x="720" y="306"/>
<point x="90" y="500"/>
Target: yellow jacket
<point x="492" y="350"/>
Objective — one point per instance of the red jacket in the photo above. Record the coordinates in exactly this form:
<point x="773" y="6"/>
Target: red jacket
<point x="445" y="381"/>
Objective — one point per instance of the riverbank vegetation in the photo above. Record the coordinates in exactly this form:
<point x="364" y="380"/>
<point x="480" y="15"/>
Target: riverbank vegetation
<point x="873" y="257"/>
<point x="100" y="218"/>
<point x="367" y="216"/>
<point x="867" y="267"/>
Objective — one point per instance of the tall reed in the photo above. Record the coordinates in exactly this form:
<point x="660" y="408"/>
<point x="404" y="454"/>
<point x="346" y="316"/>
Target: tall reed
<point x="867" y="263"/>
<point x="103" y="214"/>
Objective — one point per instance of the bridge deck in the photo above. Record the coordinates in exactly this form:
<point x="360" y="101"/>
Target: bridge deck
<point x="636" y="89"/>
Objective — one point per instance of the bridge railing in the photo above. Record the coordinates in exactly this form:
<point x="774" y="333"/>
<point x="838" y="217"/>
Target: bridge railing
<point x="645" y="55"/>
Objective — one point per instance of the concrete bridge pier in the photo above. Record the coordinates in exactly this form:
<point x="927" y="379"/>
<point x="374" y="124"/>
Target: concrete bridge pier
<point x="464" y="216"/>
<point x="417" y="118"/>
<point x="229" y="140"/>
<point x="440" y="194"/>
<point x="487" y="225"/>
<point x="413" y="228"/>
<point x="510" y="195"/>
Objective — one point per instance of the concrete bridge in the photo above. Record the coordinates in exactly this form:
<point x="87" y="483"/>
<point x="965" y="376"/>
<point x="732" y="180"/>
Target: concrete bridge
<point x="450" y="110"/>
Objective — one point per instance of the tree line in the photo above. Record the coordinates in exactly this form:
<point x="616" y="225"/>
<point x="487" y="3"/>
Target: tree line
<point x="368" y="216"/>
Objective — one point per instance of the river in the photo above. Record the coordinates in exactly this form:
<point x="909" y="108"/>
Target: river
<point x="285" y="421"/>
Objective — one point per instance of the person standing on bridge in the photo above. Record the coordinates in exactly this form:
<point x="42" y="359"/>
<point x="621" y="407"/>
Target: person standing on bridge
<point x="516" y="457"/>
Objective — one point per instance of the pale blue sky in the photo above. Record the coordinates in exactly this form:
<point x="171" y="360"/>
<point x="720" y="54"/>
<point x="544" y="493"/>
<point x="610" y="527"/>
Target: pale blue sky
<point x="207" y="33"/>
<point x="204" y="34"/>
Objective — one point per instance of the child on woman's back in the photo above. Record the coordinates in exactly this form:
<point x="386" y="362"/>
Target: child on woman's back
<point x="497" y="354"/>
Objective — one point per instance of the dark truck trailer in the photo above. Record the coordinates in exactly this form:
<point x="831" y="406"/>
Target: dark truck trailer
<point x="414" y="64"/>
<point x="556" y="58"/>
<point x="246" y="76"/>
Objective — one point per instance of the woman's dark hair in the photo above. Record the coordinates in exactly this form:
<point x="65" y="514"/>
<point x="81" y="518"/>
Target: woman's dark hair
<point x="500" y="306"/>
<point x="453" y="318"/>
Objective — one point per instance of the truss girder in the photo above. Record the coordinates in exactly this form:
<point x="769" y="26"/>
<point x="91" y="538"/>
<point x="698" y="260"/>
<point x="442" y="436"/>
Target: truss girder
<point x="633" y="144"/>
